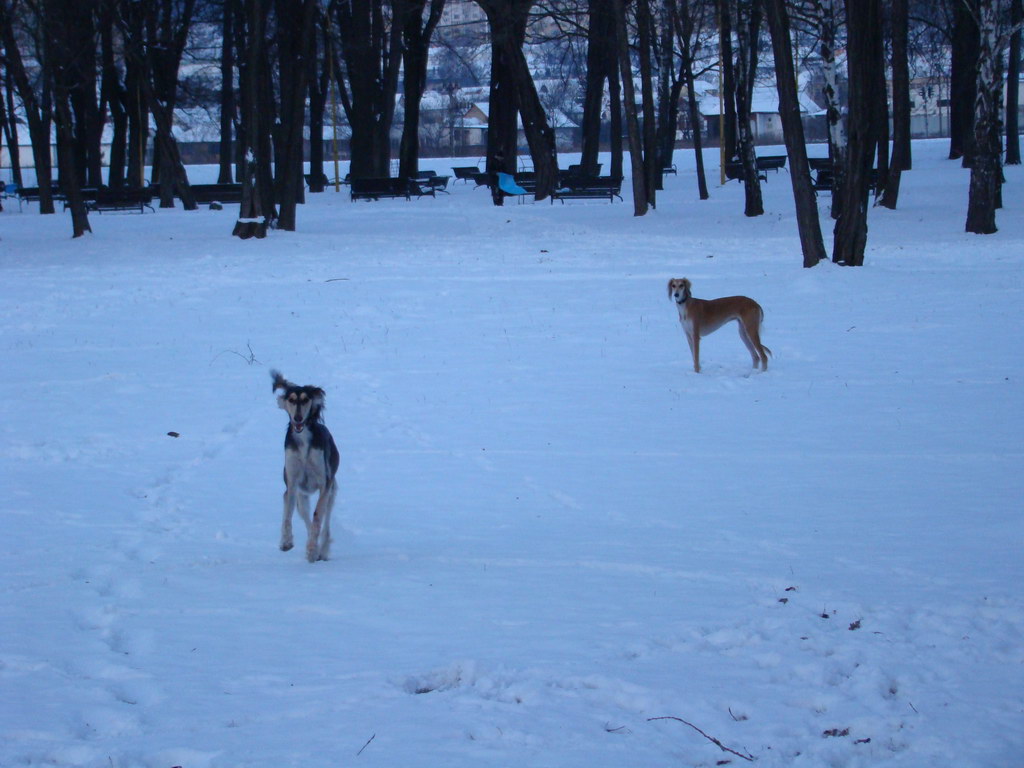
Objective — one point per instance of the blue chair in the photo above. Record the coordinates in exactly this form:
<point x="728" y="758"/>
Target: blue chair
<point x="507" y="184"/>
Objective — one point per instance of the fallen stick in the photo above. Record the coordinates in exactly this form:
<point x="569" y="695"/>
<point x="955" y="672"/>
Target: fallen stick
<point x="366" y="745"/>
<point x="712" y="739"/>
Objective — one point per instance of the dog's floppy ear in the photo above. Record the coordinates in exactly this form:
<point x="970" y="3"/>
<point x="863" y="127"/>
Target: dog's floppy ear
<point x="280" y="382"/>
<point x="686" y="287"/>
<point x="318" y="396"/>
<point x="671" y="280"/>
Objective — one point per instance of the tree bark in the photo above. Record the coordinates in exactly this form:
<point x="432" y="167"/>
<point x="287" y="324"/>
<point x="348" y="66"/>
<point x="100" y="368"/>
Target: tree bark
<point x="900" y="105"/>
<point x="296" y="20"/>
<point x="747" y="24"/>
<point x="319" y="85"/>
<point x="513" y="91"/>
<point x="38" y="110"/>
<point x="416" y="36"/>
<point x="252" y="218"/>
<point x="986" y="174"/>
<point x="227" y="94"/>
<point x="863" y="20"/>
<point x="372" y="53"/>
<point x="641" y="202"/>
<point x="61" y="47"/>
<point x="112" y="97"/>
<point x="684" y="31"/>
<point x="729" y="128"/>
<point x="652" y="161"/>
<point x="837" y="140"/>
<point x="1013" y="80"/>
<point x="808" y="223"/>
<point x="600" y="37"/>
<point x="11" y="126"/>
<point x="963" y="79"/>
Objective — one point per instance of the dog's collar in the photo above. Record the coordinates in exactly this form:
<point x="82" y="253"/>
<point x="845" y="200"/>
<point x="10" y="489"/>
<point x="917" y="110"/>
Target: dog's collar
<point x="683" y="301"/>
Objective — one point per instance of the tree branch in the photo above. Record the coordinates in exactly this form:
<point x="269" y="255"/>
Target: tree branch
<point x="712" y="739"/>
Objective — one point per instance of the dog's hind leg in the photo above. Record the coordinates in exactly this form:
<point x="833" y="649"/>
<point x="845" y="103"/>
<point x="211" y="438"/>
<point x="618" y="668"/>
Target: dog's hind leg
<point x="749" y="344"/>
<point x="752" y="339"/>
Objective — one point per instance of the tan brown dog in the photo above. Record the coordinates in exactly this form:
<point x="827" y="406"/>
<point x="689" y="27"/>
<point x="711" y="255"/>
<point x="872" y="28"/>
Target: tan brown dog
<point x="702" y="317"/>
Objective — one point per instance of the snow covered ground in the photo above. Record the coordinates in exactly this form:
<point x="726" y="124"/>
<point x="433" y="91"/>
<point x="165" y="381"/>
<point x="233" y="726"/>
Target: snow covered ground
<point x="551" y="532"/>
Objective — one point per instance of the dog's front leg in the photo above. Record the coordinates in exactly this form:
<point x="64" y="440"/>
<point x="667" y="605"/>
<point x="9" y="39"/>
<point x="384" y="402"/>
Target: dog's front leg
<point x="287" y="541"/>
<point x="325" y="534"/>
<point x="693" y="338"/>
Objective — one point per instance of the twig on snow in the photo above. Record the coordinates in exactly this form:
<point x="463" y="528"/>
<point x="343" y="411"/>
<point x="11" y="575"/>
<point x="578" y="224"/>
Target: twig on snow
<point x="712" y="739"/>
<point x="250" y="359"/>
<point x="366" y="745"/>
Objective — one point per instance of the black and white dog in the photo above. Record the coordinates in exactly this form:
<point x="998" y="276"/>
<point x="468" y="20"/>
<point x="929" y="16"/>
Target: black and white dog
<point x="310" y="466"/>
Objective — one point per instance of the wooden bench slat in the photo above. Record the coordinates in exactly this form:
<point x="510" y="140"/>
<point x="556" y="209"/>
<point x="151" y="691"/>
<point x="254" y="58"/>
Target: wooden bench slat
<point x="376" y="188"/>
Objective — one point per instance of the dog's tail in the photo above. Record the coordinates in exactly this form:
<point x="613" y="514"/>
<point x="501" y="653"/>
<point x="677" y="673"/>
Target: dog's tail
<point x="280" y="382"/>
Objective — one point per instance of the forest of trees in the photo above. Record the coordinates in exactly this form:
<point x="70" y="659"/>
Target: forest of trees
<point x="74" y="69"/>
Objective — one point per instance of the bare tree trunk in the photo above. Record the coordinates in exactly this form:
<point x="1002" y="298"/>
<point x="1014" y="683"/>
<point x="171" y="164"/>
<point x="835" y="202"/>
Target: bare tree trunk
<point x="296" y="21"/>
<point x="79" y="23"/>
<point x="684" y="31"/>
<point x="156" y="54"/>
<point x="986" y="173"/>
<point x="61" y="47"/>
<point x="963" y="79"/>
<point x="615" y="113"/>
<point x="863" y="20"/>
<point x="136" y="105"/>
<point x="512" y="91"/>
<point x="747" y="23"/>
<point x="808" y="223"/>
<point x="11" y="125"/>
<point x="600" y="37"/>
<point x="38" y="110"/>
<point x="729" y="130"/>
<point x="636" y="155"/>
<point x="372" y="52"/>
<point x="837" y="140"/>
<point x="502" y="133"/>
<point x="670" y="88"/>
<point x="252" y="218"/>
<point x="880" y="114"/>
<point x="112" y="97"/>
<point x="652" y="167"/>
<point x="319" y="84"/>
<point x="1013" y="87"/>
<point x="900" y="105"/>
<point x="227" y="93"/>
<point x="416" y="36"/>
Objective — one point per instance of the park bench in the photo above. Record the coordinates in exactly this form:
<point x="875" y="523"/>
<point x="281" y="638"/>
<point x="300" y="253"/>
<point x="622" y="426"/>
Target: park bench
<point x="217" y="193"/>
<point x="465" y="172"/>
<point x="771" y="163"/>
<point x="482" y="179"/>
<point x="588" y="187"/>
<point x="667" y="169"/>
<point x="577" y="169"/>
<point x="431" y="180"/>
<point x="100" y="199"/>
<point x="734" y="170"/>
<point x="31" y="194"/>
<point x="824" y="178"/>
<point x="377" y="188"/>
